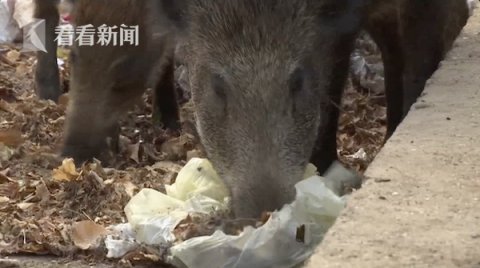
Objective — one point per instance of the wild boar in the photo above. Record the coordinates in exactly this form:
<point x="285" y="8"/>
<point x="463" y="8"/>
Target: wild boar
<point x="267" y="79"/>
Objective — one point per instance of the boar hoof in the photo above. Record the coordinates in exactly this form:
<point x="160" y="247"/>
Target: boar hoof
<point x="79" y="154"/>
<point x="47" y="85"/>
<point x="167" y="122"/>
<point x="172" y="125"/>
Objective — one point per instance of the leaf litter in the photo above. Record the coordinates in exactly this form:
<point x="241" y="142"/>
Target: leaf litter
<point x="50" y="207"/>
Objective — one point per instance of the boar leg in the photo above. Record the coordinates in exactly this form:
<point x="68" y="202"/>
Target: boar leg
<point x="383" y="27"/>
<point x="325" y="151"/>
<point x="47" y="78"/>
<point x="165" y="105"/>
<point x="429" y="30"/>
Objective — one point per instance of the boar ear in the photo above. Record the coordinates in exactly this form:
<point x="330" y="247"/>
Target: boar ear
<point x="176" y="13"/>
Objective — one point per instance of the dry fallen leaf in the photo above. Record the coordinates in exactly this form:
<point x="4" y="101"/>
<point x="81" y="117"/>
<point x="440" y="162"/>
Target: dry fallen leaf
<point x="42" y="193"/>
<point x="4" y="199"/>
<point x="13" y="56"/>
<point x="6" y="152"/>
<point x="25" y="205"/>
<point x="129" y="187"/>
<point x="21" y="70"/>
<point x="11" y="137"/>
<point x="175" y="149"/>
<point x="9" y="190"/>
<point x="194" y="153"/>
<point x="167" y="166"/>
<point x="94" y="177"/>
<point x="87" y="234"/>
<point x="8" y="107"/>
<point x="66" y="172"/>
<point x="4" y="178"/>
<point x="133" y="149"/>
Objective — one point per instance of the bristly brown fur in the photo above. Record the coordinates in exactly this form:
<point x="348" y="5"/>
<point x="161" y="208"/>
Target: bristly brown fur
<point x="106" y="80"/>
<point x="264" y="75"/>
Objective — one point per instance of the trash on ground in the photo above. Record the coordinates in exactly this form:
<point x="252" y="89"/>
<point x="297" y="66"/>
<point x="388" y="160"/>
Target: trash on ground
<point x="287" y="238"/>
<point x="39" y="206"/>
<point x="8" y="26"/>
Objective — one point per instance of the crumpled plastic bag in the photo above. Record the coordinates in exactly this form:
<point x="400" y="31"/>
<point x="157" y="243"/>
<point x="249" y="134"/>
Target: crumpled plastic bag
<point x="117" y="248"/>
<point x="206" y="182"/>
<point x="274" y="244"/>
<point x="24" y="10"/>
<point x="8" y="29"/>
<point x="367" y="75"/>
<point x="153" y="216"/>
<point x="16" y="14"/>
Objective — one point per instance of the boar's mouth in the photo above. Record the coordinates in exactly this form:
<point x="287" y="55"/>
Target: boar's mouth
<point x="83" y="148"/>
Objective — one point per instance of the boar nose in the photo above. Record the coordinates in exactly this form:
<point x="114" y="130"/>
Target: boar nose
<point x="270" y="194"/>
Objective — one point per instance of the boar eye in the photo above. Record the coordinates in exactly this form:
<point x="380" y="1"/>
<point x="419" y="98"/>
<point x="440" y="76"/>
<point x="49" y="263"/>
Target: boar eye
<point x="219" y="85"/>
<point x="296" y="81"/>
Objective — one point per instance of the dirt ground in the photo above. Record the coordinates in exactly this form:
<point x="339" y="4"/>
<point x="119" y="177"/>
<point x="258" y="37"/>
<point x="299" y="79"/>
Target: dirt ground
<point x="40" y="202"/>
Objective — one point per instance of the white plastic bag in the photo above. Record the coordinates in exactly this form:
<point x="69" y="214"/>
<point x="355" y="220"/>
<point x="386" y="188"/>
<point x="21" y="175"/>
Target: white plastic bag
<point x="8" y="29"/>
<point x="272" y="245"/>
<point x="14" y="15"/>
<point x="153" y="216"/>
<point x="197" y="178"/>
<point x="24" y="10"/>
